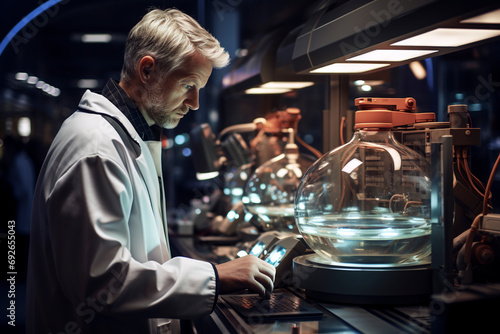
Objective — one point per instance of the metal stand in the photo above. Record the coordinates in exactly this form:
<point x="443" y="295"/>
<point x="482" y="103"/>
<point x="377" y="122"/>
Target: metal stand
<point x="362" y="284"/>
<point x="442" y="203"/>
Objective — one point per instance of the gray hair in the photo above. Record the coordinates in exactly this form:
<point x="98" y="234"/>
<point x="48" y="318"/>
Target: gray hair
<point x="169" y="36"/>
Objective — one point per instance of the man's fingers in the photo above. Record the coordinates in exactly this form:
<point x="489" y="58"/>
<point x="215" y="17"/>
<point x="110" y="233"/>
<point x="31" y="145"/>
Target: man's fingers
<point x="269" y="270"/>
<point x="265" y="281"/>
<point x="247" y="272"/>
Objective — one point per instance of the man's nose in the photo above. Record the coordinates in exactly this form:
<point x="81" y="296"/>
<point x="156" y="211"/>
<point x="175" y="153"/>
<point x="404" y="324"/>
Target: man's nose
<point x="193" y="101"/>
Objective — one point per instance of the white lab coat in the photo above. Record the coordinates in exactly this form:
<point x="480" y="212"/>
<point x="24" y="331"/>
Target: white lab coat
<point x="99" y="258"/>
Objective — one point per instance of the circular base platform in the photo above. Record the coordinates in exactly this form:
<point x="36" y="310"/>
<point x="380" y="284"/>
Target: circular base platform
<point x="362" y="284"/>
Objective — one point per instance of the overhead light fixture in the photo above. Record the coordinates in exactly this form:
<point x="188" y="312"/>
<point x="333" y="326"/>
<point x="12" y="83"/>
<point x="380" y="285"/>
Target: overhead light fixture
<point x="492" y="17"/>
<point x="32" y="80"/>
<point x="391" y="55"/>
<point x="21" y="76"/>
<point x="96" y="38"/>
<point x="349" y="33"/>
<point x="287" y="84"/>
<point x="55" y="92"/>
<point x="279" y="87"/>
<point x="87" y="83"/>
<point x="267" y="65"/>
<point x="448" y="37"/>
<point x="51" y="90"/>
<point x="348" y="68"/>
<point x="262" y="90"/>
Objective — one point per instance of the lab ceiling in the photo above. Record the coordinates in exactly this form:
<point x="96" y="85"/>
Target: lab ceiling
<point x="49" y="46"/>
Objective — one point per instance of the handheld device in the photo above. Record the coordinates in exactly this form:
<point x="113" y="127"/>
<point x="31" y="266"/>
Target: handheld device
<point x="281" y="256"/>
<point x="265" y="243"/>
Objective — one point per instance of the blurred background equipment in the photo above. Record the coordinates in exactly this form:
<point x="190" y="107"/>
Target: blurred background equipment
<point x="270" y="191"/>
<point x="263" y="175"/>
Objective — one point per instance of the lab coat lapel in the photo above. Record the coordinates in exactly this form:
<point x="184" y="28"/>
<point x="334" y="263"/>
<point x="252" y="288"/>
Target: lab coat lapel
<point x="148" y="171"/>
<point x="92" y="102"/>
<point x="155" y="149"/>
<point x="147" y="168"/>
<point x="145" y="162"/>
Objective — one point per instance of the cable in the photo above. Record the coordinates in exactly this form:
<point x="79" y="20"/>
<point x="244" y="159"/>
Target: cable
<point x="342" y="121"/>
<point x="392" y="198"/>
<point x="488" y="186"/>
<point x="477" y="221"/>
<point x="409" y="203"/>
<point x="472" y="179"/>
<point x="459" y="168"/>
<point x="314" y="151"/>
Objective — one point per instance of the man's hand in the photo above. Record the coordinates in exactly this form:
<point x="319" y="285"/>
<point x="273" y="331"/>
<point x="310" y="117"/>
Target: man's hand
<point x="248" y="272"/>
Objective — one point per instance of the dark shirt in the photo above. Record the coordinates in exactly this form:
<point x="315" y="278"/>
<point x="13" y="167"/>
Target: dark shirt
<point x="116" y="95"/>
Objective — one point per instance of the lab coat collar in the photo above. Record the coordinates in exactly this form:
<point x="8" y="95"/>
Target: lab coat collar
<point x="101" y="105"/>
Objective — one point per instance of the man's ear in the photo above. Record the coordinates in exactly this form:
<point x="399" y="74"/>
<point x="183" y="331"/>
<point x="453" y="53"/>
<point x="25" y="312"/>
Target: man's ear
<point x="146" y="66"/>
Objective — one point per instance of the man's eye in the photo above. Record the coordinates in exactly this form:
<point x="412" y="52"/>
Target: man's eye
<point x="188" y="87"/>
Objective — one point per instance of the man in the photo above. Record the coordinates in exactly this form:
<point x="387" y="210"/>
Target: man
<point x="99" y="258"/>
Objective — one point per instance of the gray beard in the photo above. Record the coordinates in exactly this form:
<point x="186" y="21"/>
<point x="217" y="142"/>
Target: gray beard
<point x="155" y="110"/>
<point x="165" y="121"/>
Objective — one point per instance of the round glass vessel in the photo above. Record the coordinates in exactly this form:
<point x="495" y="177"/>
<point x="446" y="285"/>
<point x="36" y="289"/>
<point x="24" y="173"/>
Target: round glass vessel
<point x="270" y="191"/>
<point x="367" y="202"/>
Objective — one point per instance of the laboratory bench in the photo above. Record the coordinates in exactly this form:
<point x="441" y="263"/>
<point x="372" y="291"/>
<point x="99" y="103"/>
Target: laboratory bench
<point x="332" y="318"/>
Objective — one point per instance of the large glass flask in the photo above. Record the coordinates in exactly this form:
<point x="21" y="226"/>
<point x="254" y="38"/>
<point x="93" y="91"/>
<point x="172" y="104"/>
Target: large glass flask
<point x="270" y="191"/>
<point x="367" y="202"/>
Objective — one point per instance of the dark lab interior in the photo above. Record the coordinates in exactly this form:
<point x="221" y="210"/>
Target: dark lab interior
<point x="265" y="172"/>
